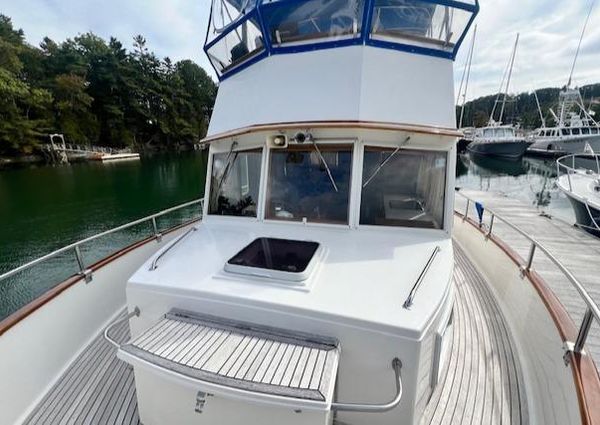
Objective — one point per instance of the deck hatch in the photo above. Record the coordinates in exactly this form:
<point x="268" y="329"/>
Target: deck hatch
<point x="284" y="259"/>
<point x="241" y="355"/>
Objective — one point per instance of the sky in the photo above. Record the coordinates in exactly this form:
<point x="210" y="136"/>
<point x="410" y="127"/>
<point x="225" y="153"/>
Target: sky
<point x="549" y="33"/>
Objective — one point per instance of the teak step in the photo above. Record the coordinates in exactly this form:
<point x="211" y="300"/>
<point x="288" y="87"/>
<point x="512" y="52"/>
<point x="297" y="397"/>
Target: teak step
<point x="241" y="355"/>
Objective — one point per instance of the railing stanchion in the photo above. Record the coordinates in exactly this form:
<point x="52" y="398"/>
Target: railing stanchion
<point x="86" y="273"/>
<point x="584" y="330"/>
<point x="530" y="257"/>
<point x="157" y="234"/>
<point x="489" y="232"/>
<point x="466" y="209"/>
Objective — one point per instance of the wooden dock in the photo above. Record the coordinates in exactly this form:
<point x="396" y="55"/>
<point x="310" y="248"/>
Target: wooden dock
<point x="575" y="249"/>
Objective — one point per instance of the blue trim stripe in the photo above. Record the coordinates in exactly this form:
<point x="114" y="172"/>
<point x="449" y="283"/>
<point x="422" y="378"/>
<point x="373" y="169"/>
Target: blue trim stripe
<point x="260" y="6"/>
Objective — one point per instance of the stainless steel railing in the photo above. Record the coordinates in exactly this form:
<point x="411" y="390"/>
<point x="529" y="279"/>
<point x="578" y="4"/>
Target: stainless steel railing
<point x="592" y="311"/>
<point x="75" y="247"/>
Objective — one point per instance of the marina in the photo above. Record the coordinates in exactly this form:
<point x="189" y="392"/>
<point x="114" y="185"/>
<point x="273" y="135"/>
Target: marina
<point x="337" y="249"/>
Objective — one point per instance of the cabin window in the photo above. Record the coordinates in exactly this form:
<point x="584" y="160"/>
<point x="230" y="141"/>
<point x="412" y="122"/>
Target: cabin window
<point x="594" y="131"/>
<point x="402" y="187"/>
<point x="309" y="182"/>
<point x="575" y="131"/>
<point x="488" y="132"/>
<point x="298" y="22"/>
<point x="235" y="181"/>
<point x="419" y="23"/>
<point x="585" y="131"/>
<point x="565" y="132"/>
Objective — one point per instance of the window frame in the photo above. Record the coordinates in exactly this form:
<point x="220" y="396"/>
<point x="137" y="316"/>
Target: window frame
<point x="216" y="150"/>
<point x="352" y="144"/>
<point x="448" y="195"/>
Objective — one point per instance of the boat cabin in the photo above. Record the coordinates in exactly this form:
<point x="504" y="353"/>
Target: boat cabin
<point x="496" y="132"/>
<point x="322" y="268"/>
<point x="568" y="131"/>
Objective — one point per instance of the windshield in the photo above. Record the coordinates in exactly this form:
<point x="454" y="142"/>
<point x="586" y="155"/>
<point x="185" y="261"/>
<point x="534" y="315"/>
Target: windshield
<point x="310" y="182"/>
<point x="234" y="184"/>
<point x="407" y="191"/>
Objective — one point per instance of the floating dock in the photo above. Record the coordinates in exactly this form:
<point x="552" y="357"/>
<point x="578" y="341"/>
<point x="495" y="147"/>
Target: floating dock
<point x="577" y="250"/>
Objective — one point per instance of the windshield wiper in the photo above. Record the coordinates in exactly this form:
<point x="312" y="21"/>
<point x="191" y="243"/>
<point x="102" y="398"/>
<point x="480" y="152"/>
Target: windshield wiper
<point x="326" y="167"/>
<point x="385" y="161"/>
<point x="231" y="157"/>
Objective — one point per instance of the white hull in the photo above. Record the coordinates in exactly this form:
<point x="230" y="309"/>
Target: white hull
<point x="562" y="146"/>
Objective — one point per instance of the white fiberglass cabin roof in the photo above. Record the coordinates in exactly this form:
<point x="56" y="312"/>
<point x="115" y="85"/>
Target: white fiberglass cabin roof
<point x="339" y="289"/>
<point x="242" y="32"/>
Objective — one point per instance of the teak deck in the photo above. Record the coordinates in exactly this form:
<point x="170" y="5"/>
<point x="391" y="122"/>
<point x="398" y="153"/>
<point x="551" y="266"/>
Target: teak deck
<point x="240" y="355"/>
<point x="482" y="383"/>
<point x="576" y="249"/>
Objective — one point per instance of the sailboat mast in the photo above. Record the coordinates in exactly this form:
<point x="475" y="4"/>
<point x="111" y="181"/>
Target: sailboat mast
<point x="512" y="62"/>
<point x="468" y="71"/>
<point x="537" y="101"/>
<point x="579" y="44"/>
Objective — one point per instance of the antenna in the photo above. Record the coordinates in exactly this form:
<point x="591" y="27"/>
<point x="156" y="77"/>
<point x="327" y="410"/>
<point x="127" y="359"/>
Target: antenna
<point x="579" y="45"/>
<point x="467" y="70"/>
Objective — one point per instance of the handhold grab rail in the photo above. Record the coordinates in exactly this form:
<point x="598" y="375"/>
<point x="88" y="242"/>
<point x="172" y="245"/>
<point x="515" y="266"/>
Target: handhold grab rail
<point x="135" y="312"/>
<point x="154" y="264"/>
<point x="411" y="296"/>
<point x="375" y="408"/>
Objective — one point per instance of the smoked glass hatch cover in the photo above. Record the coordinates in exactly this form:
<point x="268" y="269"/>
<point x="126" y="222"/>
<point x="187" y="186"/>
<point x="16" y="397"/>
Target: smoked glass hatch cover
<point x="275" y="258"/>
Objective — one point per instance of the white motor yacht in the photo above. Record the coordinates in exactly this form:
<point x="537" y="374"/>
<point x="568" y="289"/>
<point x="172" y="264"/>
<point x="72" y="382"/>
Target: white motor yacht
<point x="575" y="128"/>
<point x="579" y="180"/>
<point x="329" y="279"/>
<point x="574" y="125"/>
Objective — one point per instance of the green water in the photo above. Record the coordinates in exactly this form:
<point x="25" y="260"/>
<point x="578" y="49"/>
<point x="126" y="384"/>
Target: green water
<point x="44" y="208"/>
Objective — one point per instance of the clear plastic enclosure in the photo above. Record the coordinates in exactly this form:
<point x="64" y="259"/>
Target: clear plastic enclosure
<point x="243" y="29"/>
<point x="418" y="23"/>
<point x="313" y="20"/>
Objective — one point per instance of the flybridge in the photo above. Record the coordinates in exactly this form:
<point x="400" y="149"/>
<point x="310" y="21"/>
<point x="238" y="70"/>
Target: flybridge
<point x="242" y="32"/>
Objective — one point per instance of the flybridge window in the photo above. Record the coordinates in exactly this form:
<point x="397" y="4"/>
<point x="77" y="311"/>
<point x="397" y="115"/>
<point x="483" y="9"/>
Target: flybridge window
<point x="309" y="182"/>
<point x="234" y="33"/>
<point x="237" y="46"/>
<point x="419" y="23"/>
<point x="402" y="187"/>
<point x="296" y="22"/>
<point x="234" y="185"/>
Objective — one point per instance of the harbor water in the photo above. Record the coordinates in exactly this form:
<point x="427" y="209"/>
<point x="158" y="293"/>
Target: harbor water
<point x="44" y="208"/>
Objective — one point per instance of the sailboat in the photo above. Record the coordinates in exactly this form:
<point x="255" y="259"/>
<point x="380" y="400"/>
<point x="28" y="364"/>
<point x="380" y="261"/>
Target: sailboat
<point x="497" y="139"/>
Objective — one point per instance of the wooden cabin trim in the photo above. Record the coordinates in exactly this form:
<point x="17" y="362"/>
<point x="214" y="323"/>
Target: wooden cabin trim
<point x="56" y="290"/>
<point x="585" y="373"/>
<point x="360" y="125"/>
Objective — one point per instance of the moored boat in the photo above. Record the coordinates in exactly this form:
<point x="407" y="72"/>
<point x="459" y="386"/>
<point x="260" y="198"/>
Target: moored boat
<point x="499" y="141"/>
<point x="574" y="126"/>
<point x="579" y="179"/>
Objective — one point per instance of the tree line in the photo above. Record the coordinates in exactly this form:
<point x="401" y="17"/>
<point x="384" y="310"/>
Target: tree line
<point x="522" y="108"/>
<point x="97" y="92"/>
